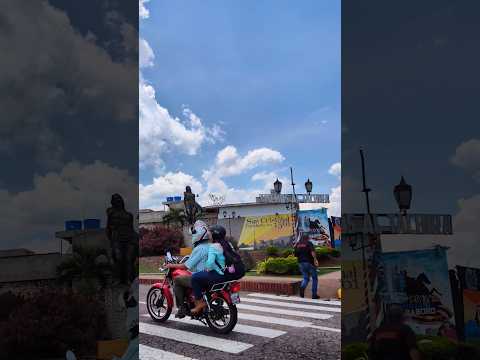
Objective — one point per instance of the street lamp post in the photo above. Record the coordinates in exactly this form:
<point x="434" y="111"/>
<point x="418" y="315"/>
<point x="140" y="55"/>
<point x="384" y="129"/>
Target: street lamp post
<point x="229" y="217"/>
<point x="403" y="195"/>
<point x="309" y="186"/>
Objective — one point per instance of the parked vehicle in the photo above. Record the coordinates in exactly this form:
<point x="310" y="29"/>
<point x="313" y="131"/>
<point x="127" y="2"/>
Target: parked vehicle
<point x="221" y="311"/>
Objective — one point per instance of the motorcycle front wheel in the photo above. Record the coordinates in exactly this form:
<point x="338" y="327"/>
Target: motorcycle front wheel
<point x="222" y="317"/>
<point x="157" y="305"/>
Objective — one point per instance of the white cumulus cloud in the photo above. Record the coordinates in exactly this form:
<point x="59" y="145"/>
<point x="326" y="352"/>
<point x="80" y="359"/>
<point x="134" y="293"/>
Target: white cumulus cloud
<point x="335" y="169"/>
<point x="142" y="9"/>
<point x="76" y="192"/>
<point x="146" y="54"/>
<point x="171" y="184"/>
<point x="467" y="157"/>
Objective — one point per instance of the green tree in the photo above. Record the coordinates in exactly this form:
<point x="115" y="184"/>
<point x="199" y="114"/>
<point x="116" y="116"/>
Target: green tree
<point x="89" y="267"/>
<point x="176" y="217"/>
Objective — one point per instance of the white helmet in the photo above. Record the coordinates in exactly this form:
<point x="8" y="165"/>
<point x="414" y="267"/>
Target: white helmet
<point x="199" y="232"/>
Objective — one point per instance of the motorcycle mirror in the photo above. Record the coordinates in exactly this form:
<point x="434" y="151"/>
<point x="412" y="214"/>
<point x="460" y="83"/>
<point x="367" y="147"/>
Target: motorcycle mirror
<point x="169" y="256"/>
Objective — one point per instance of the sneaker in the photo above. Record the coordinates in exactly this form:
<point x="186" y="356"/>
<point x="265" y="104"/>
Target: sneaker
<point x="302" y="292"/>
<point x="181" y="313"/>
<point x="315" y="297"/>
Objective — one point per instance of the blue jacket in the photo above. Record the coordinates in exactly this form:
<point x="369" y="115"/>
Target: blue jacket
<point x="215" y="258"/>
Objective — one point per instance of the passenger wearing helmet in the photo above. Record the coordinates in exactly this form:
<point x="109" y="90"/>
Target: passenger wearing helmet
<point x="195" y="263"/>
<point x="214" y="271"/>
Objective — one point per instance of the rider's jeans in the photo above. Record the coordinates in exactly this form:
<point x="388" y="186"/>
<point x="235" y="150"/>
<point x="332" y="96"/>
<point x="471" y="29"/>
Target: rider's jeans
<point x="308" y="270"/>
<point x="202" y="279"/>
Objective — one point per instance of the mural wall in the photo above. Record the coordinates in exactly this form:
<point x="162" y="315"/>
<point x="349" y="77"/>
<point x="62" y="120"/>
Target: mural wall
<point x="263" y="231"/>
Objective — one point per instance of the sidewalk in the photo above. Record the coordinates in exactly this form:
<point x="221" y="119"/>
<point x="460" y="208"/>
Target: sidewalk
<point x="328" y="284"/>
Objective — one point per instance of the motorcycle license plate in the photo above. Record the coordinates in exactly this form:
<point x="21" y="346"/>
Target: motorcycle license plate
<point x="235" y="298"/>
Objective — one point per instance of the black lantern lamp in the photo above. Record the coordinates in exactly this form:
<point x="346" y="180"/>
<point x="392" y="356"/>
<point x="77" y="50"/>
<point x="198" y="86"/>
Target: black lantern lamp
<point x="309" y="186"/>
<point x="403" y="195"/>
<point x="277" y="185"/>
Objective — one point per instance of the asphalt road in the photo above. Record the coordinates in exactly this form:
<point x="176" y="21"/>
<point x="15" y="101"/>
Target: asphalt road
<point x="269" y="327"/>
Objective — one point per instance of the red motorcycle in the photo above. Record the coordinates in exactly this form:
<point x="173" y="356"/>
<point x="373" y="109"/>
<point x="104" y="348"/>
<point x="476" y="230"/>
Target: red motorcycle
<point x="221" y="312"/>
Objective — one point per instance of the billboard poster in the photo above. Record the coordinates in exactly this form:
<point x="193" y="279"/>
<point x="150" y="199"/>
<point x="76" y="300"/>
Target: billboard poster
<point x="470" y="284"/>
<point x="337" y="232"/>
<point x="315" y="224"/>
<point x="419" y="281"/>
<point x="261" y="231"/>
<point x="354" y="303"/>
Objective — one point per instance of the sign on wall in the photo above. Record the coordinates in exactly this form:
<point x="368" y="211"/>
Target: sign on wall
<point x="315" y="224"/>
<point x="419" y="281"/>
<point x="266" y="230"/>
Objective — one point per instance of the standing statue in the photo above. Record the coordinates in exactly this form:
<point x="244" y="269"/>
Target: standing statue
<point x="121" y="233"/>
<point x="192" y="209"/>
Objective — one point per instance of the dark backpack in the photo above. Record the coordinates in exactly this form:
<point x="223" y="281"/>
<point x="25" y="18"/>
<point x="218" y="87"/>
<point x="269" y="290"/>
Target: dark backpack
<point x="231" y="256"/>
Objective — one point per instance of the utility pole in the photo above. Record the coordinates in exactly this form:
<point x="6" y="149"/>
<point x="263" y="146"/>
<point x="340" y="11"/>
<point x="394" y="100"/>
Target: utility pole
<point x="293" y="207"/>
<point x="366" y="274"/>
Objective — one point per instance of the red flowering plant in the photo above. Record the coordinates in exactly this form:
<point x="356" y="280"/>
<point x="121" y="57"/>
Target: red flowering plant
<point x="155" y="240"/>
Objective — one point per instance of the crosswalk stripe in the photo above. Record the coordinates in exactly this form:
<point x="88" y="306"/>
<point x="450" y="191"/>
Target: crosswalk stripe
<point x="284" y="312"/>
<point x="239" y="328"/>
<point x="273" y="320"/>
<point x="291" y="305"/>
<point x="297" y="298"/>
<point x="216" y="343"/>
<point x="324" y="328"/>
<point x="150" y="353"/>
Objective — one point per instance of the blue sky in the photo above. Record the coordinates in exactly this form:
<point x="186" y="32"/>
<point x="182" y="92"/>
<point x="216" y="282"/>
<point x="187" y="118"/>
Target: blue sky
<point x="256" y="76"/>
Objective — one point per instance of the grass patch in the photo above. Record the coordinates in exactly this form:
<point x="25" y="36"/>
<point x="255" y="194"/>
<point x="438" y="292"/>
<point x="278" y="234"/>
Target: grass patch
<point x="146" y="268"/>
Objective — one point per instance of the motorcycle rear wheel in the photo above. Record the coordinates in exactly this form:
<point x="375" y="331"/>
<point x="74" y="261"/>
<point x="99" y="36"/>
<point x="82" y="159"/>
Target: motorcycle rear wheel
<point x="153" y="302"/>
<point x="214" y="318"/>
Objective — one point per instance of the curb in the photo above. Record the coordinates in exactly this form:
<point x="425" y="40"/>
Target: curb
<point x="270" y="287"/>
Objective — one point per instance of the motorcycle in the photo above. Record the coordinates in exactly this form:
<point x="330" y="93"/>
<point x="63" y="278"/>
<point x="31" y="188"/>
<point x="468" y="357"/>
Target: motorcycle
<point x="220" y="315"/>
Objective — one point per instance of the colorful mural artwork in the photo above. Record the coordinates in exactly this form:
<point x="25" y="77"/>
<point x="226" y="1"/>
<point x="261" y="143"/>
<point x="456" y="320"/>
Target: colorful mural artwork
<point x="267" y="230"/>
<point x="315" y="224"/>
<point x="470" y="290"/>
<point x="419" y="281"/>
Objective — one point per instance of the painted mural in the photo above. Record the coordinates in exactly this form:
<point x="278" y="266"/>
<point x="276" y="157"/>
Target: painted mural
<point x="315" y="224"/>
<point x="419" y="281"/>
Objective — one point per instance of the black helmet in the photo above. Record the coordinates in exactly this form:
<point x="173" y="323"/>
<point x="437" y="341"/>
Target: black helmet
<point x="218" y="232"/>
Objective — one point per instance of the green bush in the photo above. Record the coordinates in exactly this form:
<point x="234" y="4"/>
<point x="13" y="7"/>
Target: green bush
<point x="431" y="348"/>
<point x="355" y="351"/>
<point x="262" y="267"/>
<point x="324" y="252"/>
<point x="279" y="266"/>
<point x="288" y="252"/>
<point x="272" y="251"/>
